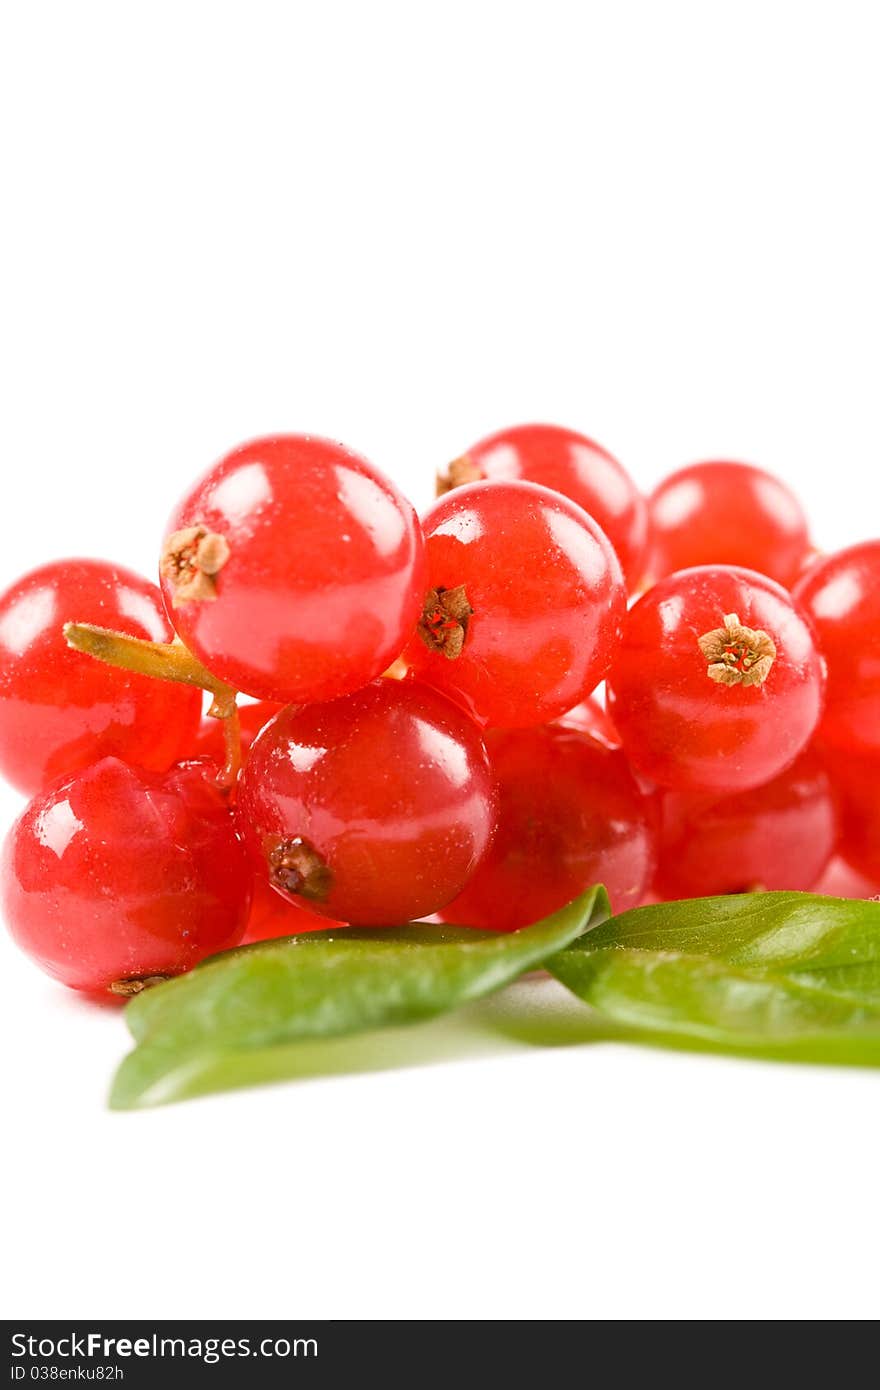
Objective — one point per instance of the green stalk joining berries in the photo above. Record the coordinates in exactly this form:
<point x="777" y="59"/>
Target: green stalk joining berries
<point x="168" y="661"/>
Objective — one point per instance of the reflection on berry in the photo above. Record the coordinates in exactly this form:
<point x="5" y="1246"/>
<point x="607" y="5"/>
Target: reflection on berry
<point x="569" y="463"/>
<point x="372" y="809"/>
<point x="570" y="815"/>
<point x="781" y="835"/>
<point x="294" y="570"/>
<point x="525" y="603"/>
<point x="717" y="684"/>
<point x="273" y="916"/>
<point x="841" y="595"/>
<point x="59" y="709"/>
<point x="117" y="876"/>
<point x="727" y="514"/>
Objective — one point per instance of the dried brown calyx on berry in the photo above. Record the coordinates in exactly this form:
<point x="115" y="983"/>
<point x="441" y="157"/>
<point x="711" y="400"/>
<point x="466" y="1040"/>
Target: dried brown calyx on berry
<point x="444" y="621"/>
<point x="460" y="471"/>
<point x="136" y="984"/>
<point x="737" y="655"/>
<point x="297" y="867"/>
<point x="191" y="561"/>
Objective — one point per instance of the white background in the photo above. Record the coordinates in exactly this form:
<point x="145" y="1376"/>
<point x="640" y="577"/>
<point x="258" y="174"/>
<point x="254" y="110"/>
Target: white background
<point x="406" y="225"/>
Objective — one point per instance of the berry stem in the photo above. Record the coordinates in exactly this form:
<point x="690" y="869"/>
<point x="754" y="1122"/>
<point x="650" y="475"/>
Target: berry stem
<point x="460" y="471"/>
<point x="167" y="661"/>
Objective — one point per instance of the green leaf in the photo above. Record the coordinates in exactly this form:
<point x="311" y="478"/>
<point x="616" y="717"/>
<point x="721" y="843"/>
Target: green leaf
<point x="770" y="974"/>
<point x="233" y="1020"/>
<point x="776" y="930"/>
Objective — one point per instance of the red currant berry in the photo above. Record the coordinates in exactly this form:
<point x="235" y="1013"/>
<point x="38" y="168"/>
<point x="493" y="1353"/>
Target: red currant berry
<point x="856" y="781"/>
<point x="60" y="710"/>
<point x="273" y="916"/>
<point x="294" y="570"/>
<point x="840" y="880"/>
<point x="525" y="605"/>
<point x="569" y="463"/>
<point x="116" y="876"/>
<point x="592" y="719"/>
<point x="209" y="741"/>
<point x="570" y="815"/>
<point x="717" y="685"/>
<point x="727" y="514"/>
<point x="373" y="809"/>
<point x="841" y="594"/>
<point x="781" y="835"/>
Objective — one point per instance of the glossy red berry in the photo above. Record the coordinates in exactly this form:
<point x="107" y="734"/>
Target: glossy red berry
<point x="294" y="570"/>
<point x="717" y="684"/>
<point x="590" y="718"/>
<point x="60" y="710"/>
<point x="841" y="880"/>
<point x="569" y="463"/>
<point x="727" y="514"/>
<point x="841" y="594"/>
<point x="209" y="741"/>
<point x="781" y="835"/>
<point x="856" y="781"/>
<point x="375" y="808"/>
<point x="570" y="815"/>
<point x="272" y="916"/>
<point x="120" y="875"/>
<point x="525" y="604"/>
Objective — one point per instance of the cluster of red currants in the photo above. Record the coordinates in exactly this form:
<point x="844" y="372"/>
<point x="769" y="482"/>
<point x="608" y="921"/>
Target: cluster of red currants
<point x="423" y="734"/>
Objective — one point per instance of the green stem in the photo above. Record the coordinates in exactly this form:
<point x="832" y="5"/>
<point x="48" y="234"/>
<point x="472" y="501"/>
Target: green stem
<point x="166" y="661"/>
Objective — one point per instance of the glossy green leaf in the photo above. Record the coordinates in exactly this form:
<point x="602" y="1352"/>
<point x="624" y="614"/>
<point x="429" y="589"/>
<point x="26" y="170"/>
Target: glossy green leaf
<point x="235" y="1019"/>
<point x="788" y="931"/>
<point x="771" y="974"/>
